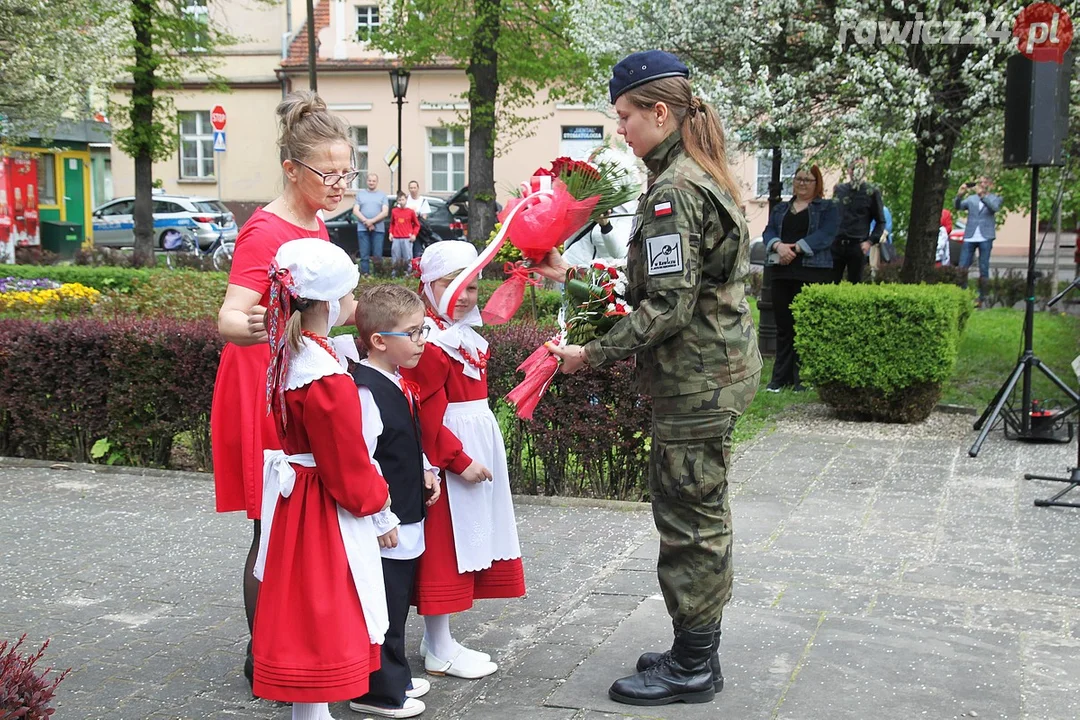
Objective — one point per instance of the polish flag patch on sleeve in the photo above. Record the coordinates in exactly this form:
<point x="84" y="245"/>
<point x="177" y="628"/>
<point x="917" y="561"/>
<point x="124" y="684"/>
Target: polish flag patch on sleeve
<point x="662" y="209"/>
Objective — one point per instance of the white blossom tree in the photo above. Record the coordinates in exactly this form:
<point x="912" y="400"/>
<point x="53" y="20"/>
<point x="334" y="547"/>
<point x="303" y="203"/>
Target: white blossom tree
<point x="51" y="54"/>
<point x="836" y="78"/>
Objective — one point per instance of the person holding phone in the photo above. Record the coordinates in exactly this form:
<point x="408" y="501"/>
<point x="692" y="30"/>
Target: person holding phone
<point x="979" y="233"/>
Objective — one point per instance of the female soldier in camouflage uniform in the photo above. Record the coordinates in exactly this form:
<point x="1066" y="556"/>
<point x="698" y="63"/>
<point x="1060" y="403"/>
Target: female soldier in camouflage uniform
<point x="697" y="356"/>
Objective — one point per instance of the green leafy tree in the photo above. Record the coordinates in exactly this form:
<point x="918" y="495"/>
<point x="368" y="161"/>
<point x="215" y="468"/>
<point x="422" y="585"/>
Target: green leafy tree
<point x="517" y="54"/>
<point x="52" y="54"/>
<point x="171" y="40"/>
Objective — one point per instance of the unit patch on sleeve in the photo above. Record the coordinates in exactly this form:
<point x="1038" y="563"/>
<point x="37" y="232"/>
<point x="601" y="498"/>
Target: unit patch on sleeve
<point x="664" y="253"/>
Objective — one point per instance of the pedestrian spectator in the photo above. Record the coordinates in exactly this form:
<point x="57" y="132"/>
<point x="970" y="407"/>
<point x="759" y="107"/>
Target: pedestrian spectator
<point x="371" y="210"/>
<point x="422" y="208"/>
<point x="322" y="612"/>
<point x="696" y="355"/>
<point x="798" y="244"/>
<point x="980" y="230"/>
<point x="404" y="227"/>
<point x="416" y="202"/>
<point x="859" y="203"/>
<point x="883" y="252"/>
<point x="316" y="162"/>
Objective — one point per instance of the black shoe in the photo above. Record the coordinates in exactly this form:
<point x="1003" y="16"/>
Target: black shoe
<point x="647" y="660"/>
<point x="799" y="387"/>
<point x="682" y="675"/>
<point x="774" y="387"/>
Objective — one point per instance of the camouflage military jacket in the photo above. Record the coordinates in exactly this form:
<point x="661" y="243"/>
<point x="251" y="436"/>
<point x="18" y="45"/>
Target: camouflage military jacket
<point x="686" y="266"/>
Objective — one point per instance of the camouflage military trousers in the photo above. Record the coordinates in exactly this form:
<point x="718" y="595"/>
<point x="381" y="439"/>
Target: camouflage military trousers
<point x="688" y="466"/>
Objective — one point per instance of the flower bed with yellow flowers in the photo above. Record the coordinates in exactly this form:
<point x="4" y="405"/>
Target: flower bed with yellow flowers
<point x="19" y="297"/>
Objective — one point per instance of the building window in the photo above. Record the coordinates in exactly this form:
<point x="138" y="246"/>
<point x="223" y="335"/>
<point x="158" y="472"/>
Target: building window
<point x="367" y="22"/>
<point x="358" y="138"/>
<point x="446" y="159"/>
<point x="196" y="21"/>
<point x="789" y="163"/>
<point x="46" y="180"/>
<point x="196" y="145"/>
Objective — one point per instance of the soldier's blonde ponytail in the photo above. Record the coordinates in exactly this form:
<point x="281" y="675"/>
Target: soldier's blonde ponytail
<point x="699" y="125"/>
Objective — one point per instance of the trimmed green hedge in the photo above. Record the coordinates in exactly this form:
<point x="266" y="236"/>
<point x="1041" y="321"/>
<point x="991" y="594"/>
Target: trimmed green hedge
<point x="880" y="351"/>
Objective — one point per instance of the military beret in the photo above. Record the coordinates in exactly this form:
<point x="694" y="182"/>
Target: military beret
<point x="642" y="67"/>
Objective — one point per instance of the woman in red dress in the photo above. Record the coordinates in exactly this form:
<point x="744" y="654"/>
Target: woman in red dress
<point x="470" y="534"/>
<point x="322" y="609"/>
<point x="316" y="160"/>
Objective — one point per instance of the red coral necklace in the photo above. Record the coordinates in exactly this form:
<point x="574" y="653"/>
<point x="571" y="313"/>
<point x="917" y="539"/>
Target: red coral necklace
<point x="321" y="342"/>
<point x="480" y="363"/>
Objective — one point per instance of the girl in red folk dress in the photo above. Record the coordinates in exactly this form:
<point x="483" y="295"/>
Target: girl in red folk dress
<point x="316" y="161"/>
<point x="322" y="607"/>
<point x="470" y="532"/>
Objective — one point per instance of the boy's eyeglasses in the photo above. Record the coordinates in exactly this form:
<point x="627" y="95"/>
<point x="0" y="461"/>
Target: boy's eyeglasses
<point x="414" y="335"/>
<point x="331" y="179"/>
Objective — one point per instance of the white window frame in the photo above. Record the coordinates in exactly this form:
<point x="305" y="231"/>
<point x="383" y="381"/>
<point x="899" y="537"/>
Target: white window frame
<point x="364" y="24"/>
<point x="789" y="163"/>
<point x="204" y="148"/>
<point x="200" y="13"/>
<point x="361" y="156"/>
<point x="450" y="151"/>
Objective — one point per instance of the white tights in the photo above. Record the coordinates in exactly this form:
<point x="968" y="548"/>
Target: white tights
<point x="440" y="642"/>
<point x="311" y="711"/>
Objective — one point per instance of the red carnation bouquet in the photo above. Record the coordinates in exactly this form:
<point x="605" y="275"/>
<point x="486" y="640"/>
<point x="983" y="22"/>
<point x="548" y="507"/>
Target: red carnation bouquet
<point x="593" y="301"/>
<point x="554" y="205"/>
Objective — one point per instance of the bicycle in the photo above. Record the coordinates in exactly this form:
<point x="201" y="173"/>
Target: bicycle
<point x="178" y="243"/>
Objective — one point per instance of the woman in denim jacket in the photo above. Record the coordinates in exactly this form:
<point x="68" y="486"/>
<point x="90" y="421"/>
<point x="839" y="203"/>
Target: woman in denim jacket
<point x="798" y="245"/>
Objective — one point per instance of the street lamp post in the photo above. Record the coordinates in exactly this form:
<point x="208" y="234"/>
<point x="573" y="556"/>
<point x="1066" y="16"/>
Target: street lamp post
<point x="399" y="83"/>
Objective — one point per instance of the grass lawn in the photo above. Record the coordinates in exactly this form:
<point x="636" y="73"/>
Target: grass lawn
<point x="989" y="349"/>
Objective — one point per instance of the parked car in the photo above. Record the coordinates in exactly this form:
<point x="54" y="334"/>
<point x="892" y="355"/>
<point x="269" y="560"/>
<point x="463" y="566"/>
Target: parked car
<point x="207" y="218"/>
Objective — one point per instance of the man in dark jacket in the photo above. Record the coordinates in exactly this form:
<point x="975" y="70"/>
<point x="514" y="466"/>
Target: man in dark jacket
<point x="859" y="203"/>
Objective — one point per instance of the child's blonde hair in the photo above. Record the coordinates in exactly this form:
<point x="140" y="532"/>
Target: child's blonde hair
<point x="293" y="326"/>
<point x="380" y="307"/>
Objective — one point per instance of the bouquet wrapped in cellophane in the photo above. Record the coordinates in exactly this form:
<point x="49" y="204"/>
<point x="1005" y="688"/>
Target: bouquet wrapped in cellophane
<point x="593" y="301"/>
<point x="554" y="205"/>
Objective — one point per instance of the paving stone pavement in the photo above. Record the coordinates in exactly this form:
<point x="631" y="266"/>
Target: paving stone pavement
<point x="880" y="572"/>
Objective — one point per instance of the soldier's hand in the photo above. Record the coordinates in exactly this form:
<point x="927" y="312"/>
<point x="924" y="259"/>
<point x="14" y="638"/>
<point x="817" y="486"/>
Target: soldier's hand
<point x="553" y="267"/>
<point x="572" y="357"/>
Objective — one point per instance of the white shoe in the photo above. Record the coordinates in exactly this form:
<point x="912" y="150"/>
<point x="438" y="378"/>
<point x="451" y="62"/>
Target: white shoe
<point x="463" y="665"/>
<point x="479" y="655"/>
<point x="417" y="688"/>
<point x="410" y="708"/>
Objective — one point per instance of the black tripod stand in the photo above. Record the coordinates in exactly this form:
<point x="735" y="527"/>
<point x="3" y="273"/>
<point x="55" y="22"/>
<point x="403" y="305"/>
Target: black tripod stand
<point x="1020" y="423"/>
<point x="1074" y="474"/>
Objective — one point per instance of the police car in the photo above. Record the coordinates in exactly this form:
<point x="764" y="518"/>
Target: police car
<point x="205" y="218"/>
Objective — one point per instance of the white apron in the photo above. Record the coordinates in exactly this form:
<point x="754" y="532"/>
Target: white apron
<point x="357" y="534"/>
<point x="483" y="513"/>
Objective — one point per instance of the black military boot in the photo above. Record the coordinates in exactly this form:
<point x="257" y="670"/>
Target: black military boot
<point x="682" y="674"/>
<point x="647" y="660"/>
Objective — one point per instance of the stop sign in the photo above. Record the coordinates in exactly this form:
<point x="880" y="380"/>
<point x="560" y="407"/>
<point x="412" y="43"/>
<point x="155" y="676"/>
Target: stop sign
<point x="217" y="117"/>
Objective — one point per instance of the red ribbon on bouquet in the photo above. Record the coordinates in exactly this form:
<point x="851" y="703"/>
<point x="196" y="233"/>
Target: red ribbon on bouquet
<point x="539" y="369"/>
<point x="507" y="298"/>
